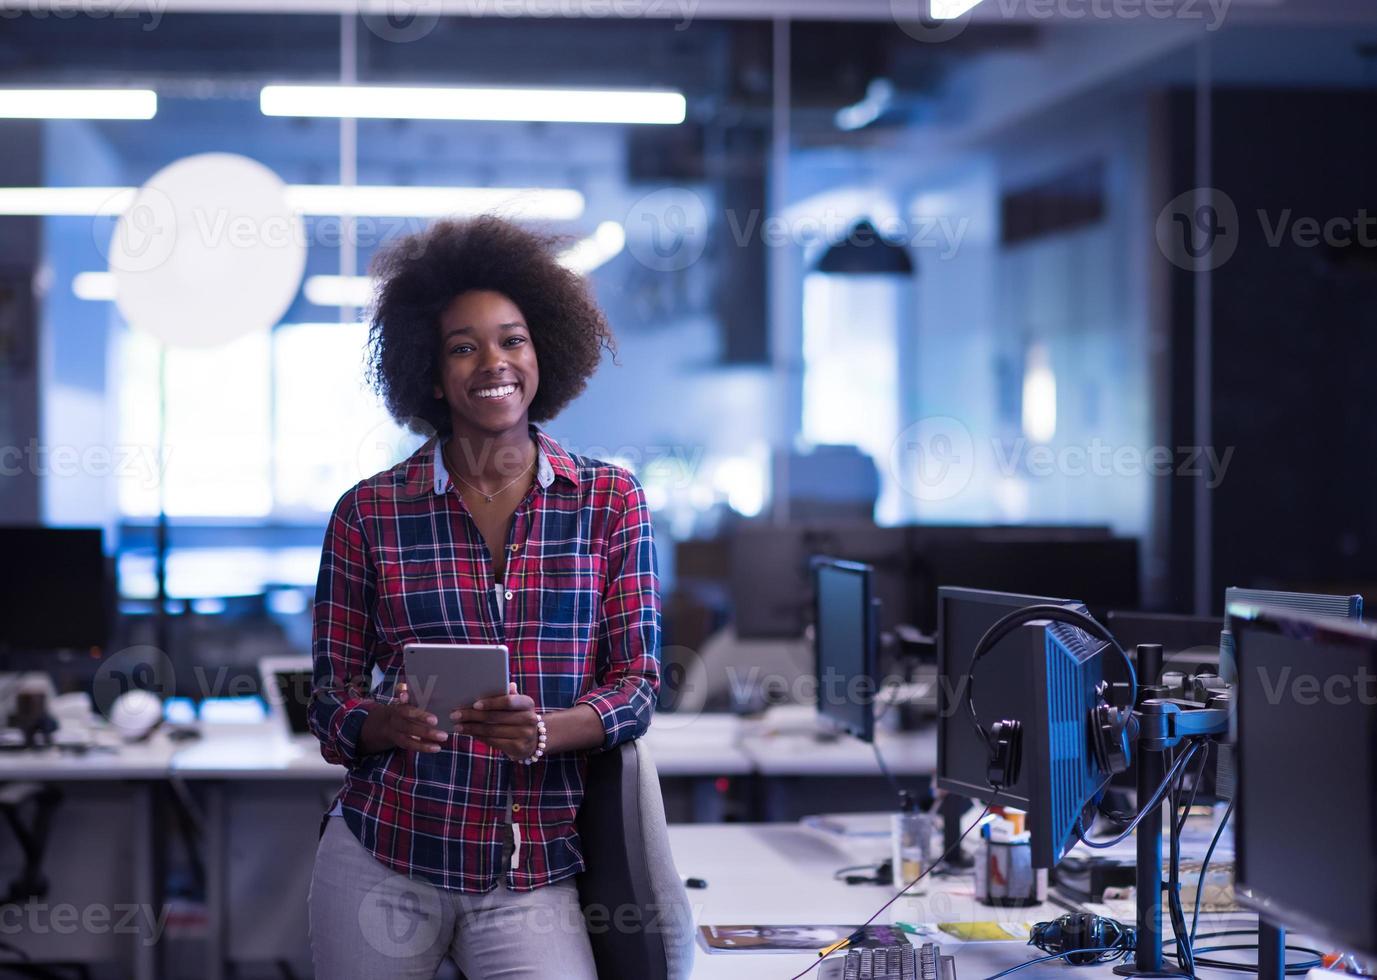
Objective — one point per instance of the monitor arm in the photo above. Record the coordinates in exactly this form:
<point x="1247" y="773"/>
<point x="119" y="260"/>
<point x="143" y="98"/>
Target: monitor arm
<point x="1163" y="722"/>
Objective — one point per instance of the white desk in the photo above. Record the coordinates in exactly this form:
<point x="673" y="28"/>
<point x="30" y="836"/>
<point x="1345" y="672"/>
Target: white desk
<point x="768" y="874"/>
<point x="698" y="745"/>
<point x="91" y="866"/>
<point x="794" y="754"/>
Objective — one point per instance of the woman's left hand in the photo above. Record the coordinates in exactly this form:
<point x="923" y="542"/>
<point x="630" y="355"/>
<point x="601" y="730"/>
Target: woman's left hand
<point x="506" y="723"/>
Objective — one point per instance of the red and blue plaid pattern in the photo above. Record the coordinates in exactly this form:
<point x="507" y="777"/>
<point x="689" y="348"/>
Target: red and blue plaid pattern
<point x="404" y="562"/>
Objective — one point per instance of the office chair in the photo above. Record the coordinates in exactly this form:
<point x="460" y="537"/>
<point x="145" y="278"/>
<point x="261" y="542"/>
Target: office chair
<point x="629" y="866"/>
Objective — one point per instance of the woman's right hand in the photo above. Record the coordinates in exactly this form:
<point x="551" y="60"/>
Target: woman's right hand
<point x="400" y="725"/>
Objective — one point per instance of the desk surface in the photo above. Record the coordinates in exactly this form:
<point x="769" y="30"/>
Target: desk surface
<point x="692" y="746"/>
<point x="144" y="760"/>
<point x="763" y="874"/>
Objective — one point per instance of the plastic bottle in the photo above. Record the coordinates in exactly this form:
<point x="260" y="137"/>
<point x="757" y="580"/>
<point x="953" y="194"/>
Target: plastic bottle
<point x="910" y="841"/>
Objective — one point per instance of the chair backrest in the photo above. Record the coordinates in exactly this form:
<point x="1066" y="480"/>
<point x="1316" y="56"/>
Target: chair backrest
<point x="638" y="915"/>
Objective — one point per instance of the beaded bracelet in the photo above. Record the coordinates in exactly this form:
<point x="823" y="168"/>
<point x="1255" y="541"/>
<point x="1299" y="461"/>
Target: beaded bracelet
<point x="540" y="742"/>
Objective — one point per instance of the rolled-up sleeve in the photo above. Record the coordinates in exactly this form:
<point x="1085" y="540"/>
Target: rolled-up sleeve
<point x="342" y="635"/>
<point x="628" y="665"/>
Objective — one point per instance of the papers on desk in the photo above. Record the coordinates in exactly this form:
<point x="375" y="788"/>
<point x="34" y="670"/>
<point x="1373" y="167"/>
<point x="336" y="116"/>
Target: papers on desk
<point x="792" y="938"/>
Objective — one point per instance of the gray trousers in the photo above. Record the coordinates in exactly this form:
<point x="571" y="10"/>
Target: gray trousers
<point x="368" y="921"/>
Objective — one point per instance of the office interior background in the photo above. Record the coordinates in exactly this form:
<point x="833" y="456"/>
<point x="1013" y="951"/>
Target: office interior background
<point x="1070" y="298"/>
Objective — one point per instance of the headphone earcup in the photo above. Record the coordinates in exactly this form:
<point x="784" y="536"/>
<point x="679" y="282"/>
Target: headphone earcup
<point x="1006" y="753"/>
<point x="1111" y="732"/>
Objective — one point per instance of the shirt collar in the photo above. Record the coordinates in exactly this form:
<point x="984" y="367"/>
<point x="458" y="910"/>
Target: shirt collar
<point x="428" y="462"/>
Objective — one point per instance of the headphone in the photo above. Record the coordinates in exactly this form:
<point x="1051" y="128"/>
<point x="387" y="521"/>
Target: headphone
<point x="1112" y="728"/>
<point x="1085" y="932"/>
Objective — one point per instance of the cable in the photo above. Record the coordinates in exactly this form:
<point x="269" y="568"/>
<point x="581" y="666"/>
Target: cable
<point x="1248" y="967"/>
<point x="1290" y="969"/>
<point x="1185" y="955"/>
<point x="898" y="895"/>
<point x="1054" y="956"/>
<point x="1154" y="801"/>
<point x="1204" y="866"/>
<point x="880" y="759"/>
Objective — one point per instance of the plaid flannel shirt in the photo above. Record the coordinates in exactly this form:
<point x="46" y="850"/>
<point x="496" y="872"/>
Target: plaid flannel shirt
<point x="404" y="562"/>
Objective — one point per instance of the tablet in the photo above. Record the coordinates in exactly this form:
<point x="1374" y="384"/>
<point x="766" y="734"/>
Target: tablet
<point x="442" y="677"/>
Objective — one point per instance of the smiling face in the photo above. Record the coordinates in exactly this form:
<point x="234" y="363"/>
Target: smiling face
<point x="487" y="364"/>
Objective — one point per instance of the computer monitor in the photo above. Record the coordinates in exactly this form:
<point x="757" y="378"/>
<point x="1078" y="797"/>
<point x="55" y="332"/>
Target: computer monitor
<point x="1045" y="675"/>
<point x="1342" y="606"/>
<point x="1306" y="739"/>
<point x="54" y="590"/>
<point x="285" y="682"/>
<point x="846" y="640"/>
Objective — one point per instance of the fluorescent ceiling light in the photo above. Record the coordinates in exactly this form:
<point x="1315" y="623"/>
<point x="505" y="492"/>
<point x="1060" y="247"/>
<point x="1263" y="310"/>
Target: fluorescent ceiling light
<point x="603" y="245"/>
<point x="653" y="106"/>
<point x="94" y="285"/>
<point x="950" y="9"/>
<point x="62" y="201"/>
<point x="339" y="290"/>
<point x="521" y="203"/>
<point x="77" y="103"/>
<point x="531" y="203"/>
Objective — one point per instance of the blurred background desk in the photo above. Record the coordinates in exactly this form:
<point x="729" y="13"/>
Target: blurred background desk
<point x="262" y="796"/>
<point x="115" y="892"/>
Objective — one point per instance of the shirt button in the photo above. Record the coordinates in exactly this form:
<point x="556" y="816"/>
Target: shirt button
<point x="508" y="594"/>
<point x="516" y="807"/>
<point x="516" y="547"/>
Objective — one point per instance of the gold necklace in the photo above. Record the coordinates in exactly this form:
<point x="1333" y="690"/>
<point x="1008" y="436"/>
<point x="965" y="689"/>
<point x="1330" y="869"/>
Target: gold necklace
<point x="454" y="472"/>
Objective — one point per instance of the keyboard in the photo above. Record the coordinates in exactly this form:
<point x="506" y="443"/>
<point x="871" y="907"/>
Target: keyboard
<point x="924" y="962"/>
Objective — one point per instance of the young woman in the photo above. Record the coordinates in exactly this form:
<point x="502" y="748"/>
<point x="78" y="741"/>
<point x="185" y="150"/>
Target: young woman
<point x="455" y="836"/>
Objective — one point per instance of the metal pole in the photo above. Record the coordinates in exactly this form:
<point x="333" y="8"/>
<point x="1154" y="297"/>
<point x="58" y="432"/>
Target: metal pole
<point x="1271" y="951"/>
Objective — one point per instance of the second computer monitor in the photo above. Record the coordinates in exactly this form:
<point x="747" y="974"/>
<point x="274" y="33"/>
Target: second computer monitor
<point x="1315" y="604"/>
<point x="1306" y="740"/>
<point x="846" y="641"/>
